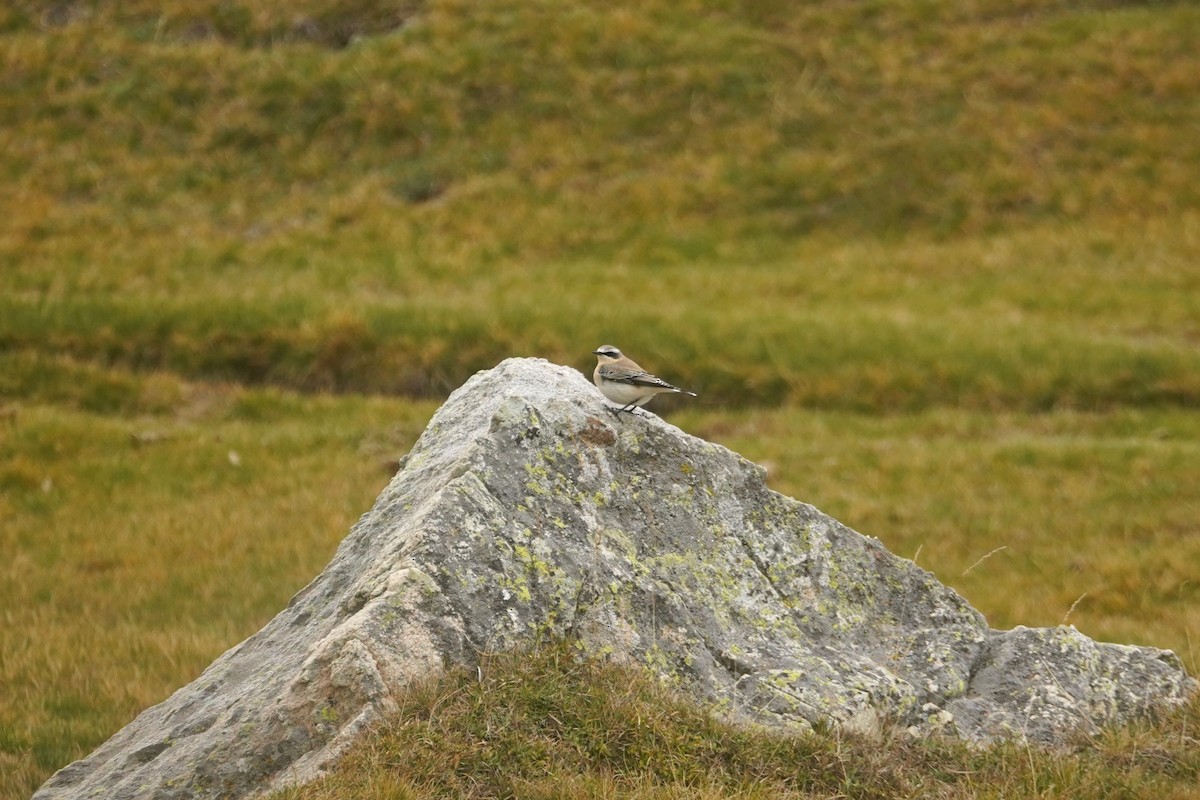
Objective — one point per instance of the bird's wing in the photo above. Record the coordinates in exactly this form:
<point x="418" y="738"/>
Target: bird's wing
<point x="634" y="377"/>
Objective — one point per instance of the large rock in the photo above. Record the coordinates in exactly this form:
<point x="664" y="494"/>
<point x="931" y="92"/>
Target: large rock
<point x="527" y="511"/>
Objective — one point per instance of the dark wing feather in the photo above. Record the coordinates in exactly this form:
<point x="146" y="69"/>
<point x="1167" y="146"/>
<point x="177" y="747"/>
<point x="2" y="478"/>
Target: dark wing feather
<point x="633" y="377"/>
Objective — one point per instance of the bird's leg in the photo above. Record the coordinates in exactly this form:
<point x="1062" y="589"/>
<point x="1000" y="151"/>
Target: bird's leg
<point x="630" y="409"/>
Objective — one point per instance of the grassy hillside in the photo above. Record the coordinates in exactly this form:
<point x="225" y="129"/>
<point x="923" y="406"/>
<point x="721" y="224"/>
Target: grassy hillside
<point x="223" y="190"/>
<point x="935" y="264"/>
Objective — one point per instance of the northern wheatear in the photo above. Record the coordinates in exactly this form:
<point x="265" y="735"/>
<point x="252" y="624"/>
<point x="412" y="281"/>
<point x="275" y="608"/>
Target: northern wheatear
<point x="622" y="381"/>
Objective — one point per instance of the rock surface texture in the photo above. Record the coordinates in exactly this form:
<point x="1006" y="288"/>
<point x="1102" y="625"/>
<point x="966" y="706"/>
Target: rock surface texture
<point x="526" y="510"/>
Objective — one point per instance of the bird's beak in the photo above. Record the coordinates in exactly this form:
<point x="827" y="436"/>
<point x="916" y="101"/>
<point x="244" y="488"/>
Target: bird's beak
<point x="595" y="352"/>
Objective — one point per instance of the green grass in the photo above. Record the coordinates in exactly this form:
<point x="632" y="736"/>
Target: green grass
<point x="525" y="129"/>
<point x="936" y="264"/>
<point x="1074" y="316"/>
<point x="541" y="725"/>
<point x="203" y="187"/>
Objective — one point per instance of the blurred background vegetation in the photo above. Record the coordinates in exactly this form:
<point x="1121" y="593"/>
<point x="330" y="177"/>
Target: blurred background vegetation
<point x="937" y="265"/>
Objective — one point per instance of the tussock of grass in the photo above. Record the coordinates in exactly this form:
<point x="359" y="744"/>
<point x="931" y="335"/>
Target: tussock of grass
<point x="541" y="724"/>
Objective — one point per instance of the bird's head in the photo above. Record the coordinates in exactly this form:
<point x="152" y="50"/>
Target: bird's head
<point x="607" y="352"/>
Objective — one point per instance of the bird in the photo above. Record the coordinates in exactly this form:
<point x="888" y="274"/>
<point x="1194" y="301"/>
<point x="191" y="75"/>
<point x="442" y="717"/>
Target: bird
<point x="621" y="380"/>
